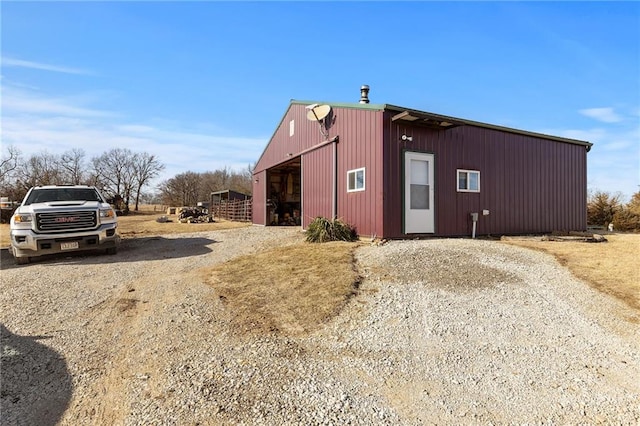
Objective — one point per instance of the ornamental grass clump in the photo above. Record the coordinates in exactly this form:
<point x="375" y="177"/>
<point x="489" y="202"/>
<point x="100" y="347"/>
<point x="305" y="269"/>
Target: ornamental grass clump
<point x="322" y="230"/>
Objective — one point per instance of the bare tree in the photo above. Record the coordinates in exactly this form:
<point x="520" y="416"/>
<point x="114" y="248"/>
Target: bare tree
<point x="150" y="198"/>
<point x="119" y="173"/>
<point x="114" y="173"/>
<point x="9" y="162"/>
<point x="189" y="188"/>
<point x="145" y="168"/>
<point x="242" y="181"/>
<point x="222" y="179"/>
<point x="181" y="190"/>
<point x="214" y="181"/>
<point x="72" y="165"/>
<point x="8" y="185"/>
<point x="39" y="169"/>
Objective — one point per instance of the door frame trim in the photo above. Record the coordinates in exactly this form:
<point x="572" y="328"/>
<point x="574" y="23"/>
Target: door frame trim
<point x="403" y="183"/>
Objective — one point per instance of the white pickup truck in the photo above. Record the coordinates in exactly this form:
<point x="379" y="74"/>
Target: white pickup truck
<point x="55" y="219"/>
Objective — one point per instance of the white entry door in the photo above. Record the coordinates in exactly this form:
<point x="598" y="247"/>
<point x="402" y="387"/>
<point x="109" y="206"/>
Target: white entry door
<point x="418" y="193"/>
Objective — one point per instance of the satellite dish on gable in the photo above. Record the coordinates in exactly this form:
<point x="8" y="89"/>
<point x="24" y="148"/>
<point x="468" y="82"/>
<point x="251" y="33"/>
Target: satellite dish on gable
<point x="317" y="112"/>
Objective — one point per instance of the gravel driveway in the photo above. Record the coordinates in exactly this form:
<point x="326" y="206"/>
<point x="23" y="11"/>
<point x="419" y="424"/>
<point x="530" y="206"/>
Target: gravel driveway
<point x="442" y="331"/>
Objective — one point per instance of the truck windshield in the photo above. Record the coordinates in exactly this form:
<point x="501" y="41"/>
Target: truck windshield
<point x="62" y="194"/>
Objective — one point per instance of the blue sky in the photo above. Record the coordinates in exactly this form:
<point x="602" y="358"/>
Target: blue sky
<point x="203" y="85"/>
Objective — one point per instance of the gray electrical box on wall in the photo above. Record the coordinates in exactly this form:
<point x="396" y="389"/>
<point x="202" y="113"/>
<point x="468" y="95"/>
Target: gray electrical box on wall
<point x="474" y="217"/>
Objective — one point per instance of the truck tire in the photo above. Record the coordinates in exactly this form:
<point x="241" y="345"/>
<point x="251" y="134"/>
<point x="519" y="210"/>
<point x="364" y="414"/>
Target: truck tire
<point x="19" y="260"/>
<point x="112" y="250"/>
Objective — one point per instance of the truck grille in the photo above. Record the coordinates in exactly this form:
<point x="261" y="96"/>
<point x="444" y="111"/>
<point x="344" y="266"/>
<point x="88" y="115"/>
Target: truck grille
<point x="66" y="221"/>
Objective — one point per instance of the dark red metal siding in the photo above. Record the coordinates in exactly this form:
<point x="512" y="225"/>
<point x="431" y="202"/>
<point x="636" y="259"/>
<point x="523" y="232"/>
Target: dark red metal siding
<point x="528" y="184"/>
<point x="317" y="184"/>
<point x="306" y="134"/>
<point x="283" y="148"/>
<point x="360" y="146"/>
<point x="259" y="198"/>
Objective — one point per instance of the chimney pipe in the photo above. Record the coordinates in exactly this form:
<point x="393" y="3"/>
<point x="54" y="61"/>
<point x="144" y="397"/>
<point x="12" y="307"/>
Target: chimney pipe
<point x="364" y="94"/>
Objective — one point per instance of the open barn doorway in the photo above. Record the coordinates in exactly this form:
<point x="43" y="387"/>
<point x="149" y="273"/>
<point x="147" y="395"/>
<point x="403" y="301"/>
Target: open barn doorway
<point x="284" y="194"/>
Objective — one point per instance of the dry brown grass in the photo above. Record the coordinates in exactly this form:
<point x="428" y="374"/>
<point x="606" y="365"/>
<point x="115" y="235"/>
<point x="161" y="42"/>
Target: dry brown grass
<point x="611" y="267"/>
<point x="4" y="235"/>
<point x="144" y="224"/>
<point x="287" y="290"/>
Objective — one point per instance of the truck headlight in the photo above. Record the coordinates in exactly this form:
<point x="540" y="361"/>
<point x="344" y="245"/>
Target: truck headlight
<point x="22" y="218"/>
<point x="107" y="213"/>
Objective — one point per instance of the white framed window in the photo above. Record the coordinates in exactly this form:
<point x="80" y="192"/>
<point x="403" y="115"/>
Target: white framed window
<point x="468" y="180"/>
<point x="355" y="180"/>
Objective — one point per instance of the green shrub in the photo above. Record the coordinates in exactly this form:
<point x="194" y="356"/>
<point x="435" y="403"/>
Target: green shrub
<point x="322" y="230"/>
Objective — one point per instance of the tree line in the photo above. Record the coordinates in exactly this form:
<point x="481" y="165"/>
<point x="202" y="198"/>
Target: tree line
<point x="187" y="189"/>
<point x="604" y="208"/>
<point x="120" y="174"/>
<point x="123" y="176"/>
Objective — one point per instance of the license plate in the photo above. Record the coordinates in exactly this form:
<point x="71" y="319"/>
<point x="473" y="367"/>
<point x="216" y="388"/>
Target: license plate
<point x="69" y="246"/>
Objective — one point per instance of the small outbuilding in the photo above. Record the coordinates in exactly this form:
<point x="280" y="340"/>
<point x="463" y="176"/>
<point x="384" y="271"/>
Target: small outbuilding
<point x="231" y="205"/>
<point x="227" y="195"/>
<point x="395" y="172"/>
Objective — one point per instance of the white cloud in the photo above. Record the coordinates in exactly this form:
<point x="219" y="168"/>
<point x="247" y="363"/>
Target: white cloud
<point x="30" y="102"/>
<point x="12" y="62"/>
<point x="606" y="115"/>
<point x="135" y="128"/>
<point x="590" y="135"/>
<point x="34" y="124"/>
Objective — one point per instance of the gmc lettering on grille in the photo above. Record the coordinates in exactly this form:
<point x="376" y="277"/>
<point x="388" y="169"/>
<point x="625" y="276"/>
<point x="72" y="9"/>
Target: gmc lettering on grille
<point x="65" y="219"/>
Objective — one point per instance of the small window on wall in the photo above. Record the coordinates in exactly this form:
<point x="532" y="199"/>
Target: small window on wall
<point x="468" y="181"/>
<point x="355" y="180"/>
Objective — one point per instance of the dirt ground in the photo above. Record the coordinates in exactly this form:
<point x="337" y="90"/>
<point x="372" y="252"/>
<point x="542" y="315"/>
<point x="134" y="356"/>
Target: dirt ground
<point x="140" y="338"/>
<point x="145" y="224"/>
<point x="97" y="324"/>
<point x="609" y="267"/>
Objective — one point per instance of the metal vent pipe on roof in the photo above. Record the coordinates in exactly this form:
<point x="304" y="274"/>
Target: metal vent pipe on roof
<point x="364" y="94"/>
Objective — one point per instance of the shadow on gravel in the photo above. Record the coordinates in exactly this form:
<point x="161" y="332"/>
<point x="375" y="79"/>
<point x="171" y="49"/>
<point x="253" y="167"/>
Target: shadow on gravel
<point x="130" y="250"/>
<point x="36" y="386"/>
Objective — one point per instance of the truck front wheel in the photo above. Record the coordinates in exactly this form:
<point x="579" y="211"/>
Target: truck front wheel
<point x="19" y="260"/>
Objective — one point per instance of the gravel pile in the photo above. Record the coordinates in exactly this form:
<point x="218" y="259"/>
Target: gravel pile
<point x="442" y="331"/>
